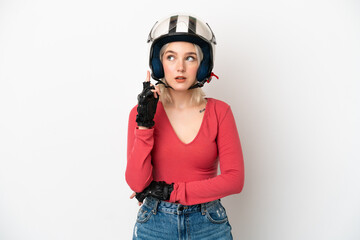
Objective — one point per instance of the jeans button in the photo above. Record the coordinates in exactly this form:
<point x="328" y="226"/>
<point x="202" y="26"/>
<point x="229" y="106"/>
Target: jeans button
<point x="181" y="208"/>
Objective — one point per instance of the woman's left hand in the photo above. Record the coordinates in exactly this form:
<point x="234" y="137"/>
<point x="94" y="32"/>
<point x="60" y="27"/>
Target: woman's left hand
<point x="133" y="195"/>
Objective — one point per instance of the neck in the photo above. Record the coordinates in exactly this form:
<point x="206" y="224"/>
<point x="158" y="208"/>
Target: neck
<point x="180" y="99"/>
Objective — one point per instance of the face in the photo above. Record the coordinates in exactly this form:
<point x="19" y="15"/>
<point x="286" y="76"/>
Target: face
<point x="180" y="64"/>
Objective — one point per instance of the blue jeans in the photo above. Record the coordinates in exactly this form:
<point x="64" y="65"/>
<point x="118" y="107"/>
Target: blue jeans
<point x="158" y="220"/>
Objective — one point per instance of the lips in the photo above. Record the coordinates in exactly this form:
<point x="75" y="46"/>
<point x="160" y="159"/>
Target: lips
<point x="180" y="79"/>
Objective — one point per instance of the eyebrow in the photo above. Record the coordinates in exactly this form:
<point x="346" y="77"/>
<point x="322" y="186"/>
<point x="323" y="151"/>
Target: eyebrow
<point x="170" y="51"/>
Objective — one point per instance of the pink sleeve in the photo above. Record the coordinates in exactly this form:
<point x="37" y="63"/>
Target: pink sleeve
<point x="139" y="145"/>
<point x="231" y="179"/>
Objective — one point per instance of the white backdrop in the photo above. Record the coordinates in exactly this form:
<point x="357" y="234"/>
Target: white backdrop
<point x="70" y="72"/>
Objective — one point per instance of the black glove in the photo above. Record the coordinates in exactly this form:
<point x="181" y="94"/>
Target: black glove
<point x="159" y="190"/>
<point x="147" y="104"/>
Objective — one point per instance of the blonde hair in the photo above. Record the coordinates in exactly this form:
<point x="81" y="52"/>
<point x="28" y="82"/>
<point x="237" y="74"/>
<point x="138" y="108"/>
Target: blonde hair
<point x="197" y="94"/>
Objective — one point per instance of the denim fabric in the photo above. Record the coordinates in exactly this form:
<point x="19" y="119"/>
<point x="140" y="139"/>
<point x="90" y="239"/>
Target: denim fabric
<point x="157" y="220"/>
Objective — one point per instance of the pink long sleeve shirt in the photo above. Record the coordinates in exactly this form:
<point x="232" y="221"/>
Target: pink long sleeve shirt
<point x="158" y="154"/>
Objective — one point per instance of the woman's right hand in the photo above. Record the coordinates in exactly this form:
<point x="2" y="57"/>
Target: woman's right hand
<point x="147" y="103"/>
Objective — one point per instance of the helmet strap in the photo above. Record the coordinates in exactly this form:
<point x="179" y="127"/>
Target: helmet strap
<point x="197" y="85"/>
<point x="201" y="84"/>
<point x="161" y="82"/>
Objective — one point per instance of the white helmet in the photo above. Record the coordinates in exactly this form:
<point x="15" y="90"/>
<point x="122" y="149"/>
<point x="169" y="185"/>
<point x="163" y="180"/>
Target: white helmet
<point x="187" y="29"/>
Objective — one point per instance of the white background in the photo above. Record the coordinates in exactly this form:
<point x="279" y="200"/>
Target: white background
<point x="70" y="72"/>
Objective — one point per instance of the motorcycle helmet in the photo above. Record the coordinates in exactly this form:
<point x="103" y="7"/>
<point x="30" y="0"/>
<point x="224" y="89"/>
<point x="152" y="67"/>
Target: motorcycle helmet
<point x="187" y="29"/>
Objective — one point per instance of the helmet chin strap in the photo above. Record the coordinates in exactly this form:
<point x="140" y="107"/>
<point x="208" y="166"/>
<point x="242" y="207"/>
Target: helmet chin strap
<point x="201" y="84"/>
<point x="161" y="82"/>
<point x="197" y="85"/>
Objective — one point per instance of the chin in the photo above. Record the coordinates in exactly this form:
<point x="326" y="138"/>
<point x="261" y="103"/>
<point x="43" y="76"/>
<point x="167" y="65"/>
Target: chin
<point x="178" y="89"/>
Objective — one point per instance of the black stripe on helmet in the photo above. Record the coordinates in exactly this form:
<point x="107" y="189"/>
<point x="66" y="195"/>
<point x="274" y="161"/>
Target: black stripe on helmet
<point x="172" y="24"/>
<point x="192" y="25"/>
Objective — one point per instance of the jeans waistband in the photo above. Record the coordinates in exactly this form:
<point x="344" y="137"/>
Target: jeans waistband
<point x="176" y="208"/>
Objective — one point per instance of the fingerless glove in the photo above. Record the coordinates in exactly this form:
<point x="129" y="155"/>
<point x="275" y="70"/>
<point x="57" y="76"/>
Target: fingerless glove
<point x="160" y="190"/>
<point x="147" y="104"/>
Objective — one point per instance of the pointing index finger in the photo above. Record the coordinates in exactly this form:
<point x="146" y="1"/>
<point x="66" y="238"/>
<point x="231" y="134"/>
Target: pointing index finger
<point x="147" y="76"/>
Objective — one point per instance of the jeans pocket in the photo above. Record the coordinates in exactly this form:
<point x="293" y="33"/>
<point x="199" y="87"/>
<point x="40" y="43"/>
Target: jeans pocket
<point x="144" y="214"/>
<point x="216" y="213"/>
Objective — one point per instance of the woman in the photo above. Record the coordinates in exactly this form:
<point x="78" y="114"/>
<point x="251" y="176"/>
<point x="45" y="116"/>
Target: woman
<point x="177" y="138"/>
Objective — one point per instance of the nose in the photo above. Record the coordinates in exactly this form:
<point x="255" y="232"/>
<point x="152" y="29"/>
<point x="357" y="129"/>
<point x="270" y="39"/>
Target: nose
<point x="181" y="66"/>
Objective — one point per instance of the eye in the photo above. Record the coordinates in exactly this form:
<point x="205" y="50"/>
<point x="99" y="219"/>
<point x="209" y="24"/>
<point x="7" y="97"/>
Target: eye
<point x="170" y="57"/>
<point x="191" y="58"/>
